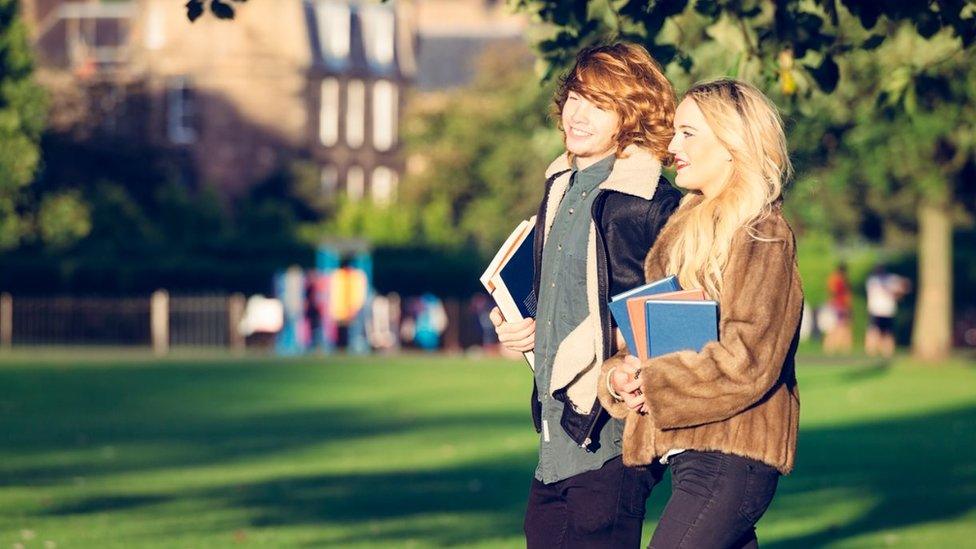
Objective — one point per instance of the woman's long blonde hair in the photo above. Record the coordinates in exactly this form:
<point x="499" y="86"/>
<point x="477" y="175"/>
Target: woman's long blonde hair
<point x="749" y="126"/>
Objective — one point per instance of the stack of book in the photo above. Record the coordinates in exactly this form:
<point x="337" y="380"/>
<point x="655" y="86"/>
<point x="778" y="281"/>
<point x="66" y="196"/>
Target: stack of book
<point x="660" y="318"/>
<point x="510" y="277"/>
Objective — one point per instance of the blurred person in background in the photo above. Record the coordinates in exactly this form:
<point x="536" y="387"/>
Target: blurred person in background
<point x="383" y="325"/>
<point x="884" y="289"/>
<point x="604" y="203"/>
<point x="479" y="309"/>
<point x="431" y="321"/>
<point x="839" y="338"/>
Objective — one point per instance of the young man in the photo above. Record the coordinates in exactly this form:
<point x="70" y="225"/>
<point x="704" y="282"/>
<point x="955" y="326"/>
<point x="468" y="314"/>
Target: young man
<point x="604" y="203"/>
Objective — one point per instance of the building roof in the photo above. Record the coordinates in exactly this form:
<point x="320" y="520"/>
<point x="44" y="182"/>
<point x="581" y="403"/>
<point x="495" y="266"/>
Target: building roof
<point x="352" y="36"/>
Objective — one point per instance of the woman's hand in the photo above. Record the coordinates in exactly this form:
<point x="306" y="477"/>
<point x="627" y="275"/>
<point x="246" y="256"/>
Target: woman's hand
<point x="626" y="382"/>
<point x="514" y="336"/>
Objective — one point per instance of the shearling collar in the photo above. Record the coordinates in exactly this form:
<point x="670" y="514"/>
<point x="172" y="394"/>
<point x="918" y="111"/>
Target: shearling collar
<point x="635" y="173"/>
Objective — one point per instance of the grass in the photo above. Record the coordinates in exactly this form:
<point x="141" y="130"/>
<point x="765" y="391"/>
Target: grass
<point x="417" y="451"/>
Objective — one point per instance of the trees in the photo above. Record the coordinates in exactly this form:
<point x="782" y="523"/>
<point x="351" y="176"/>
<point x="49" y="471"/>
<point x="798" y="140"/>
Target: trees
<point x="879" y="96"/>
<point x="890" y="83"/>
<point x="787" y="38"/>
<point x="476" y="156"/>
<point x="908" y="118"/>
<point x="21" y="123"/>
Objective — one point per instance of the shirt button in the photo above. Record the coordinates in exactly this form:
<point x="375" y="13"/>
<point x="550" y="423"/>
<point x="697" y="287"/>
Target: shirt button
<point x="571" y="210"/>
<point x="584" y="194"/>
<point x="553" y="284"/>
<point x="559" y="247"/>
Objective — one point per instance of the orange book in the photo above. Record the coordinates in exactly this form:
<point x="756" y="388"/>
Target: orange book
<point x="638" y="314"/>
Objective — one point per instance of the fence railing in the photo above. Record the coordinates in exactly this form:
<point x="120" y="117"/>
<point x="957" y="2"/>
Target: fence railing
<point x="163" y="322"/>
<point x="160" y="321"/>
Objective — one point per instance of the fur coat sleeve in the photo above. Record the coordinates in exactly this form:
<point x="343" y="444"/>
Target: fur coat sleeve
<point x="759" y="310"/>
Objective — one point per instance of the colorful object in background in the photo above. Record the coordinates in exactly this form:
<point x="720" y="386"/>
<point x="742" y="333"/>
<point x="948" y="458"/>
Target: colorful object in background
<point x="326" y="263"/>
<point x="348" y="285"/>
<point x="360" y="289"/>
<point x="319" y="303"/>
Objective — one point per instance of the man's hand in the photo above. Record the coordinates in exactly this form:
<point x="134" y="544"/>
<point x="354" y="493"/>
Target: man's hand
<point x="514" y="336"/>
<point x="626" y="382"/>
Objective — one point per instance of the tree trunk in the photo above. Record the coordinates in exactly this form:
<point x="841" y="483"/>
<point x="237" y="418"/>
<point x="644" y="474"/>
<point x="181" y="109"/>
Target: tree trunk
<point x="932" y="331"/>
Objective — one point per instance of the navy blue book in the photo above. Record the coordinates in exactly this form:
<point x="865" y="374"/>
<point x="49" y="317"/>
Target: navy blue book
<point x="519" y="276"/>
<point x="510" y="277"/>
<point x="618" y="305"/>
<point x="680" y="325"/>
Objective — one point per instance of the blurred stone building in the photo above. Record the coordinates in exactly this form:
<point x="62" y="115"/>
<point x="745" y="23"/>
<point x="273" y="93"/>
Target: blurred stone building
<point x="231" y="102"/>
<point x="319" y="80"/>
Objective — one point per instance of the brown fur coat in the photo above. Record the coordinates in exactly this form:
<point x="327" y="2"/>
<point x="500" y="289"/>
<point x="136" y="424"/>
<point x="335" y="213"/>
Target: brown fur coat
<point x="738" y="395"/>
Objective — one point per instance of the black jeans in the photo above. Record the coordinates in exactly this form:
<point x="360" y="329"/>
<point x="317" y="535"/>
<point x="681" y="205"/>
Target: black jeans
<point x="716" y="501"/>
<point x="598" y="509"/>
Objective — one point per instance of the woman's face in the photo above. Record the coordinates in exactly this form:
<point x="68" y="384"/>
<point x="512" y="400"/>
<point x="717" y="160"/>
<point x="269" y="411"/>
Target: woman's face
<point x="590" y="131"/>
<point x="702" y="163"/>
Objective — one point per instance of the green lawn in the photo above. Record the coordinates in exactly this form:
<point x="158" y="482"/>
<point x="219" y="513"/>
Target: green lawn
<point x="422" y="452"/>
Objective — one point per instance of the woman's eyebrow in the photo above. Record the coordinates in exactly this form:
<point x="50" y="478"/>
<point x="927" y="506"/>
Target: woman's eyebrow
<point x="686" y="127"/>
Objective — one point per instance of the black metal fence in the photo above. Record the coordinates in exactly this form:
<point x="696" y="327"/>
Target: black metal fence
<point x="157" y="320"/>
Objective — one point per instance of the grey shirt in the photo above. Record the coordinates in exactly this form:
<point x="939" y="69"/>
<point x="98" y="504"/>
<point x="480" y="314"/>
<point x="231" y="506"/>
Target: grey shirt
<point x="562" y="307"/>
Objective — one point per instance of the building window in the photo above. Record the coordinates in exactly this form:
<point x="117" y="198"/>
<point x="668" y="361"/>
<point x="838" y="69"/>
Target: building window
<point x="355" y="113"/>
<point x="384" y="115"/>
<point x="383" y="185"/>
<point x="379" y="32"/>
<point x="328" y="181"/>
<point x="329" y="112"/>
<point x="355" y="183"/>
<point x="180" y="111"/>
<point x="333" y="20"/>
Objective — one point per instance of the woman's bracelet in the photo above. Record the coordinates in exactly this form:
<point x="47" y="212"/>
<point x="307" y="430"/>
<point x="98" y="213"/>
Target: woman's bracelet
<point x="613" y="393"/>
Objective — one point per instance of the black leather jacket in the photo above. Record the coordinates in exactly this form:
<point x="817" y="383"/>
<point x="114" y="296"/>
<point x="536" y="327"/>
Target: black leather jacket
<point x="626" y="228"/>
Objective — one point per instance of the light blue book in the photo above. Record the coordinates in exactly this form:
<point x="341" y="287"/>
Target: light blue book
<point x="680" y="325"/>
<point x="618" y="305"/>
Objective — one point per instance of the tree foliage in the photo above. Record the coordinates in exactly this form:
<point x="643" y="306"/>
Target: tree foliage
<point x="22" y="110"/>
<point x="478" y="154"/>
<point x="222" y="9"/>
<point x="787" y="38"/>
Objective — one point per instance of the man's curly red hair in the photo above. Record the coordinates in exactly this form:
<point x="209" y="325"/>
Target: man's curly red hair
<point x="624" y="78"/>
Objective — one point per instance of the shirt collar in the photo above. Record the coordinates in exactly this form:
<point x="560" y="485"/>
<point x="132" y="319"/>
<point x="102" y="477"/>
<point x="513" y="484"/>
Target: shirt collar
<point x="588" y="178"/>
<point x="636" y="172"/>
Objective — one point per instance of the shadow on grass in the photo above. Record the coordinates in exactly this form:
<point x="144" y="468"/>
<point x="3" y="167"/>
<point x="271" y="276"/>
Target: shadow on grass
<point x="913" y="470"/>
<point x="871" y="370"/>
<point x="455" y="505"/>
<point x="88" y="422"/>
<point x="485" y="500"/>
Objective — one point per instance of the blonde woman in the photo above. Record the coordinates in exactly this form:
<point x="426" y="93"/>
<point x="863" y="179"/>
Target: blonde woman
<point x="725" y="418"/>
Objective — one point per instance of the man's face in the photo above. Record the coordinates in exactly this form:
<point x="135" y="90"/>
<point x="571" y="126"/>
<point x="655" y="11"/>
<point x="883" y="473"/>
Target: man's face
<point x="590" y="131"/>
